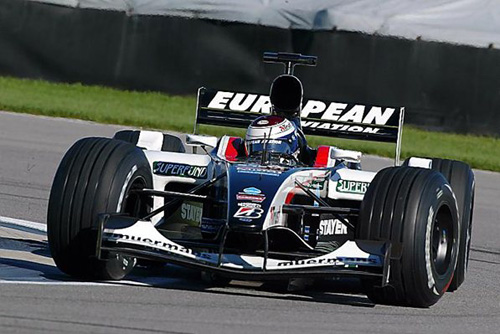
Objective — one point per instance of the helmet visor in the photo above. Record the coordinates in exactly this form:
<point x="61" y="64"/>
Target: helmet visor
<point x="271" y="145"/>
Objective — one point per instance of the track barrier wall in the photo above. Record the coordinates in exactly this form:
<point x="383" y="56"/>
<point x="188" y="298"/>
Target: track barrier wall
<point x="443" y="86"/>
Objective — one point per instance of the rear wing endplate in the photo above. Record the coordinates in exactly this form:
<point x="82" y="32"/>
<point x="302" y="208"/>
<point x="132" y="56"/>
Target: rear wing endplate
<point x="320" y="118"/>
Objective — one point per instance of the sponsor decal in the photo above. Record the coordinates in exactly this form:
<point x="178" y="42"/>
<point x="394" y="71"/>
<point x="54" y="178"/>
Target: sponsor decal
<point x="249" y="205"/>
<point x="285" y="127"/>
<point x="247" y="212"/>
<point x="209" y="228"/>
<point x="209" y="225"/>
<point x="183" y="170"/>
<point x="342" y="112"/>
<point x="325" y="111"/>
<point x="263" y="122"/>
<point x="332" y="227"/>
<point x="352" y="187"/>
<point x="251" y="194"/>
<point x="191" y="213"/>
<point x="339" y="127"/>
<point x="158" y="244"/>
<point x="359" y="259"/>
<point x="252" y="198"/>
<point x="241" y="102"/>
<point x="431" y="283"/>
<point x="315" y="183"/>
<point x="124" y="188"/>
<point x="266" y="141"/>
<point x="332" y="261"/>
<point x="252" y="191"/>
<point x="258" y="170"/>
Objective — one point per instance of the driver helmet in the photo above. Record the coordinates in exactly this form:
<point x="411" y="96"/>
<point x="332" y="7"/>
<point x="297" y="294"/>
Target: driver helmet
<point x="273" y="134"/>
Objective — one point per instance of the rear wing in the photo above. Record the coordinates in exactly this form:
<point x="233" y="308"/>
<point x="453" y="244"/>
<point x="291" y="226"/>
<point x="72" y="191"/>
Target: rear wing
<point x="320" y="118"/>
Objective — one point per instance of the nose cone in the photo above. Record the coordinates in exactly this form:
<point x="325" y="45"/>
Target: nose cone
<point x="251" y="191"/>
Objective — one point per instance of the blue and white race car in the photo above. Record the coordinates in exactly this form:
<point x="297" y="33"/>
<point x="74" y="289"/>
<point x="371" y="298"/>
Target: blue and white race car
<point x="266" y="206"/>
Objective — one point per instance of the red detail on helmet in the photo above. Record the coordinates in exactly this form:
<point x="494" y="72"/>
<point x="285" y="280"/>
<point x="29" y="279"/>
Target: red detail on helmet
<point x="322" y="156"/>
<point x="235" y="148"/>
<point x="269" y="120"/>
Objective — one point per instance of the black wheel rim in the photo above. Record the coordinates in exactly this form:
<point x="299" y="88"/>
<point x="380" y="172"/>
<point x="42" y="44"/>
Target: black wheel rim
<point x="134" y="205"/>
<point x="442" y="240"/>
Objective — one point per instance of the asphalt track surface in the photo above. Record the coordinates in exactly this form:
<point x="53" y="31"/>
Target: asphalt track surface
<point x="35" y="297"/>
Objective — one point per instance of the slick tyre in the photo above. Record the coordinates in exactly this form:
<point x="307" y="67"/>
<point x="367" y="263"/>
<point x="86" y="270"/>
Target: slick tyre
<point x="415" y="210"/>
<point x="97" y="175"/>
<point x="461" y="179"/>
<point x="170" y="143"/>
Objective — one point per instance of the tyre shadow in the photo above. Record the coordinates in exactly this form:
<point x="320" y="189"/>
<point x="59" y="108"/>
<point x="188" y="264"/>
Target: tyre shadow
<point x="27" y="245"/>
<point x="346" y="291"/>
<point x="30" y="271"/>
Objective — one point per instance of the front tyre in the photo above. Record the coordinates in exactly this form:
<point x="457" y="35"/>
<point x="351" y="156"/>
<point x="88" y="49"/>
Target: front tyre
<point x="414" y="209"/>
<point x="97" y="175"/>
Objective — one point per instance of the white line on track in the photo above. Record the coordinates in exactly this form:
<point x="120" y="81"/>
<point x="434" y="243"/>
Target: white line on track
<point x="23" y="225"/>
<point x="55" y="283"/>
<point x="154" y="282"/>
<point x="39" y="228"/>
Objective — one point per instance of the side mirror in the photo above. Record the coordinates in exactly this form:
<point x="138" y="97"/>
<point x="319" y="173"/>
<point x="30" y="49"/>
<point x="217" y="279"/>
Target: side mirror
<point x="200" y="140"/>
<point x="346" y="155"/>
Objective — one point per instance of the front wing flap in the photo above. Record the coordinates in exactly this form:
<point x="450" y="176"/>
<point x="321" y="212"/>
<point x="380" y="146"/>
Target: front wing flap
<point x="139" y="238"/>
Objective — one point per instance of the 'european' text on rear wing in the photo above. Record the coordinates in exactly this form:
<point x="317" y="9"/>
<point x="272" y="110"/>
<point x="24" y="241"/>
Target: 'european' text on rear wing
<point x="321" y="118"/>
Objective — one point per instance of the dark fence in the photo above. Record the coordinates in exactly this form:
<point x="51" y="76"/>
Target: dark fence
<point x="444" y="86"/>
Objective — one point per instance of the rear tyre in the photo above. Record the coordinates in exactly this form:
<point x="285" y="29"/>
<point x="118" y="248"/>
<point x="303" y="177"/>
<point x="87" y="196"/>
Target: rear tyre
<point x="461" y="179"/>
<point x="171" y="143"/>
<point x="415" y="210"/>
<point x="95" y="176"/>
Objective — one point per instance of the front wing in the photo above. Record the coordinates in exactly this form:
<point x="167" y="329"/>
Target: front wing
<point x="139" y="238"/>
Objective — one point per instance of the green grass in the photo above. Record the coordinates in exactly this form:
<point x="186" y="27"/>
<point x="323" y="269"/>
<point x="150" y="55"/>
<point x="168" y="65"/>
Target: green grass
<point x="160" y="111"/>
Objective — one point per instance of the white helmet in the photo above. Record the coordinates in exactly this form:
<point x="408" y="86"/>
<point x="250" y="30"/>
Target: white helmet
<point x="274" y="134"/>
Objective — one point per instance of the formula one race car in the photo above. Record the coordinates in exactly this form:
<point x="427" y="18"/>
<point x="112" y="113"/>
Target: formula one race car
<point x="267" y="207"/>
